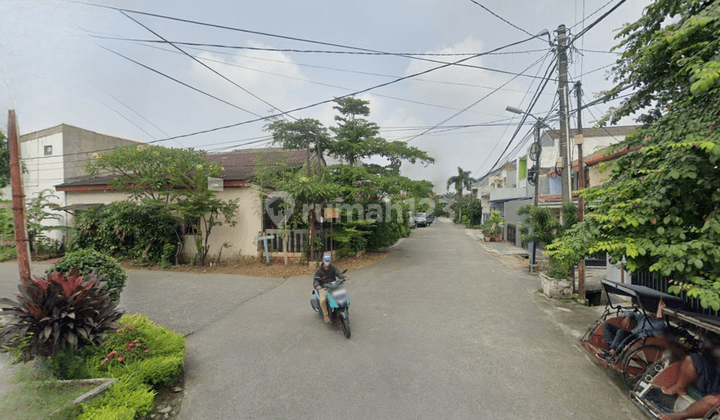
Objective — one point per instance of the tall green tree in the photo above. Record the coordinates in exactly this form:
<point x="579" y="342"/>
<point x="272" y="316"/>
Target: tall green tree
<point x="460" y="181"/>
<point x="174" y="178"/>
<point x="659" y="206"/>
<point x="300" y="134"/>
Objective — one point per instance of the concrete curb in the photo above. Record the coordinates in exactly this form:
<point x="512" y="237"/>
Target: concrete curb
<point x="102" y="387"/>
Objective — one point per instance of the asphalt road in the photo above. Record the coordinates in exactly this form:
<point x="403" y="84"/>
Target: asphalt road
<point x="440" y="331"/>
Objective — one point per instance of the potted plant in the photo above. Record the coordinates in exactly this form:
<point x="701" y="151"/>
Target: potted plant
<point x="485" y="229"/>
<point x="496" y="221"/>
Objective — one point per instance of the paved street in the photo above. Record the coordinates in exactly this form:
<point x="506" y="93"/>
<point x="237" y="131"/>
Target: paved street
<point x="440" y="330"/>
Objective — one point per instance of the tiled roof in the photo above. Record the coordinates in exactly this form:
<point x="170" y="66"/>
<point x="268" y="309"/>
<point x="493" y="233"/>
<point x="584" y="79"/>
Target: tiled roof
<point x="239" y="165"/>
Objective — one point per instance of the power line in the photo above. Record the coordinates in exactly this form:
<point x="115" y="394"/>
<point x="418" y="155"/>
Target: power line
<point x="294" y="50"/>
<point x="141" y="116"/>
<point x="292" y="38"/>
<point x="478" y="101"/>
<point x="598" y="20"/>
<point x="521" y="122"/>
<point x="180" y="82"/>
<point x="343" y="96"/>
<point x="328" y="68"/>
<point x="591" y="14"/>
<point x="205" y="65"/>
<point x="533" y="101"/>
<point x="501" y="18"/>
<point x="312" y="81"/>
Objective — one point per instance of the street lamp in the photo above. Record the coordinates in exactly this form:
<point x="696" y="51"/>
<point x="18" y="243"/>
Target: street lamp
<point x="535" y="149"/>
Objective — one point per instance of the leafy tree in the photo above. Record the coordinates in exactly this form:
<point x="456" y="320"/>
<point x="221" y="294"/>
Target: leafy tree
<point x="300" y="134"/>
<point x="4" y="161"/>
<point x="175" y="178"/>
<point x="39" y="210"/>
<point x="460" y="181"/>
<point x="659" y="206"/>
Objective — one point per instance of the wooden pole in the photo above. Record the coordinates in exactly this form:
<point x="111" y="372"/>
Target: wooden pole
<point x="18" y="199"/>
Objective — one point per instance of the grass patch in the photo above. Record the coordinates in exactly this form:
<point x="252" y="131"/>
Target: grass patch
<point x="37" y="398"/>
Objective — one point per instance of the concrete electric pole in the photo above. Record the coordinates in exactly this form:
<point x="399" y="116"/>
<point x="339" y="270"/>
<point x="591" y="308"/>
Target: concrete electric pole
<point x="564" y="114"/>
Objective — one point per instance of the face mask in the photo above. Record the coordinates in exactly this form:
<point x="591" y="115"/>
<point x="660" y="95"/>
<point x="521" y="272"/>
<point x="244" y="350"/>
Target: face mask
<point x="326" y="264"/>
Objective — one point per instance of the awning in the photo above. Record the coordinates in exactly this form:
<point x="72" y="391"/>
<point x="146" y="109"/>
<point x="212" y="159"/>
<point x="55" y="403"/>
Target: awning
<point x="75" y="207"/>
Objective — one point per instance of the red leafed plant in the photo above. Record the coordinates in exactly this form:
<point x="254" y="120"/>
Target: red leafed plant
<point x="58" y="312"/>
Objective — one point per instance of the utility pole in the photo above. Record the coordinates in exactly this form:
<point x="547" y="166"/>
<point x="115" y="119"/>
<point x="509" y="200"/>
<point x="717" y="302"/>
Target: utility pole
<point x="579" y="140"/>
<point x="564" y="114"/>
<point x="536" y="176"/>
<point x="18" y="198"/>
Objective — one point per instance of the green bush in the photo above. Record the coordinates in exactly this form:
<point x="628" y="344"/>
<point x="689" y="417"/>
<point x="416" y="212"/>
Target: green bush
<point x="128" y="230"/>
<point x="125" y="399"/>
<point x="7" y="253"/>
<point x="87" y="260"/>
<point x="351" y="238"/>
<point x="6" y="225"/>
<point x="133" y="394"/>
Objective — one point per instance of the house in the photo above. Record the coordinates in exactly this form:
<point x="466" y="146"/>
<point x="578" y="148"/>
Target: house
<point x="57" y="155"/>
<point x="239" y="171"/>
<point x="506" y="188"/>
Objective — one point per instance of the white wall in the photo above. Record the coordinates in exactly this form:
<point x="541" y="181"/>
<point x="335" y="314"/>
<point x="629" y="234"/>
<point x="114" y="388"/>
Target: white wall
<point x="43" y="173"/>
<point x="240" y="237"/>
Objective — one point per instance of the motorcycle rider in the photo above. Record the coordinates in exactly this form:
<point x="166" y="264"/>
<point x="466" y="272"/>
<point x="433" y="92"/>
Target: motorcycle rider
<point x="325" y="274"/>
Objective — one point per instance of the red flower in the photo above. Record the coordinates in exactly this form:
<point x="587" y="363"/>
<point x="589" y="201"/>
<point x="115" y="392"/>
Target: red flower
<point x="105" y="360"/>
<point x="119" y="331"/>
<point x="147" y="351"/>
<point x="120" y="359"/>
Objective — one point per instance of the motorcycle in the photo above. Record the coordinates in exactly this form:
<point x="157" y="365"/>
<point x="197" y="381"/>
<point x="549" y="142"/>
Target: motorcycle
<point x="338" y="302"/>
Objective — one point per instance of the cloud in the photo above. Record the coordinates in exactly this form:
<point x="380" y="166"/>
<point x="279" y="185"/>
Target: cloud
<point x="270" y="75"/>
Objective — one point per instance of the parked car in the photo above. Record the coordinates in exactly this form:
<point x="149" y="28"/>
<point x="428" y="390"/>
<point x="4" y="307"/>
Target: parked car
<point x="430" y="218"/>
<point x="421" y="219"/>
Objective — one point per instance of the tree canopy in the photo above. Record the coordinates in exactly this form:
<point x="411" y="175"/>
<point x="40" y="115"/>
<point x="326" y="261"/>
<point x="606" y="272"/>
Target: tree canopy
<point x="659" y="205"/>
<point x="353" y="139"/>
<point x="461" y="181"/>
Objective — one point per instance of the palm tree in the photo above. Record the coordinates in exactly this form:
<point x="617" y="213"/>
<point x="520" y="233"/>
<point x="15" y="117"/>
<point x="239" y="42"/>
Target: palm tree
<point x="461" y="180"/>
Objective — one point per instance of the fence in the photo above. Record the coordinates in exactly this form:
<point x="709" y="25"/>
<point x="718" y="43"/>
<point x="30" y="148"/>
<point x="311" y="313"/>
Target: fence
<point x="296" y="239"/>
<point x="659" y="283"/>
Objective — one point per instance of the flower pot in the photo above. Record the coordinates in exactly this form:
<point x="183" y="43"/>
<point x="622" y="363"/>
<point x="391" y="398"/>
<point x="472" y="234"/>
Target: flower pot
<point x="498" y="239"/>
<point x="487" y="239"/>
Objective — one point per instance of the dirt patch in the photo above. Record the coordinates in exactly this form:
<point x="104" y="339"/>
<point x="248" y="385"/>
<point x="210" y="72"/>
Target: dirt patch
<point x="247" y="267"/>
<point x="512" y="261"/>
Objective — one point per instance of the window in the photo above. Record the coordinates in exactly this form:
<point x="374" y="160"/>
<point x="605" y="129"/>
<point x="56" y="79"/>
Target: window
<point x="48" y="150"/>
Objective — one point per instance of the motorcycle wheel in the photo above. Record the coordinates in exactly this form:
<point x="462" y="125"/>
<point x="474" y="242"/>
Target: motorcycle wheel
<point x="345" y="324"/>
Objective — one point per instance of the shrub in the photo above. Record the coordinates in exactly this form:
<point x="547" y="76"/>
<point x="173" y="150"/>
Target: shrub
<point x="7" y="253"/>
<point x="59" y="312"/>
<point x="6" y="225"/>
<point x="128" y="230"/>
<point x="125" y="399"/>
<point x="159" y="366"/>
<point x="88" y="260"/>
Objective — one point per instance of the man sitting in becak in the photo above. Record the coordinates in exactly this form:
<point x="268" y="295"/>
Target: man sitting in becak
<point x="703" y="370"/>
<point x="649" y="325"/>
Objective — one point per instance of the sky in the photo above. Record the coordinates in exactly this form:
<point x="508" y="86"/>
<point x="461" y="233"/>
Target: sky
<point x="60" y="63"/>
